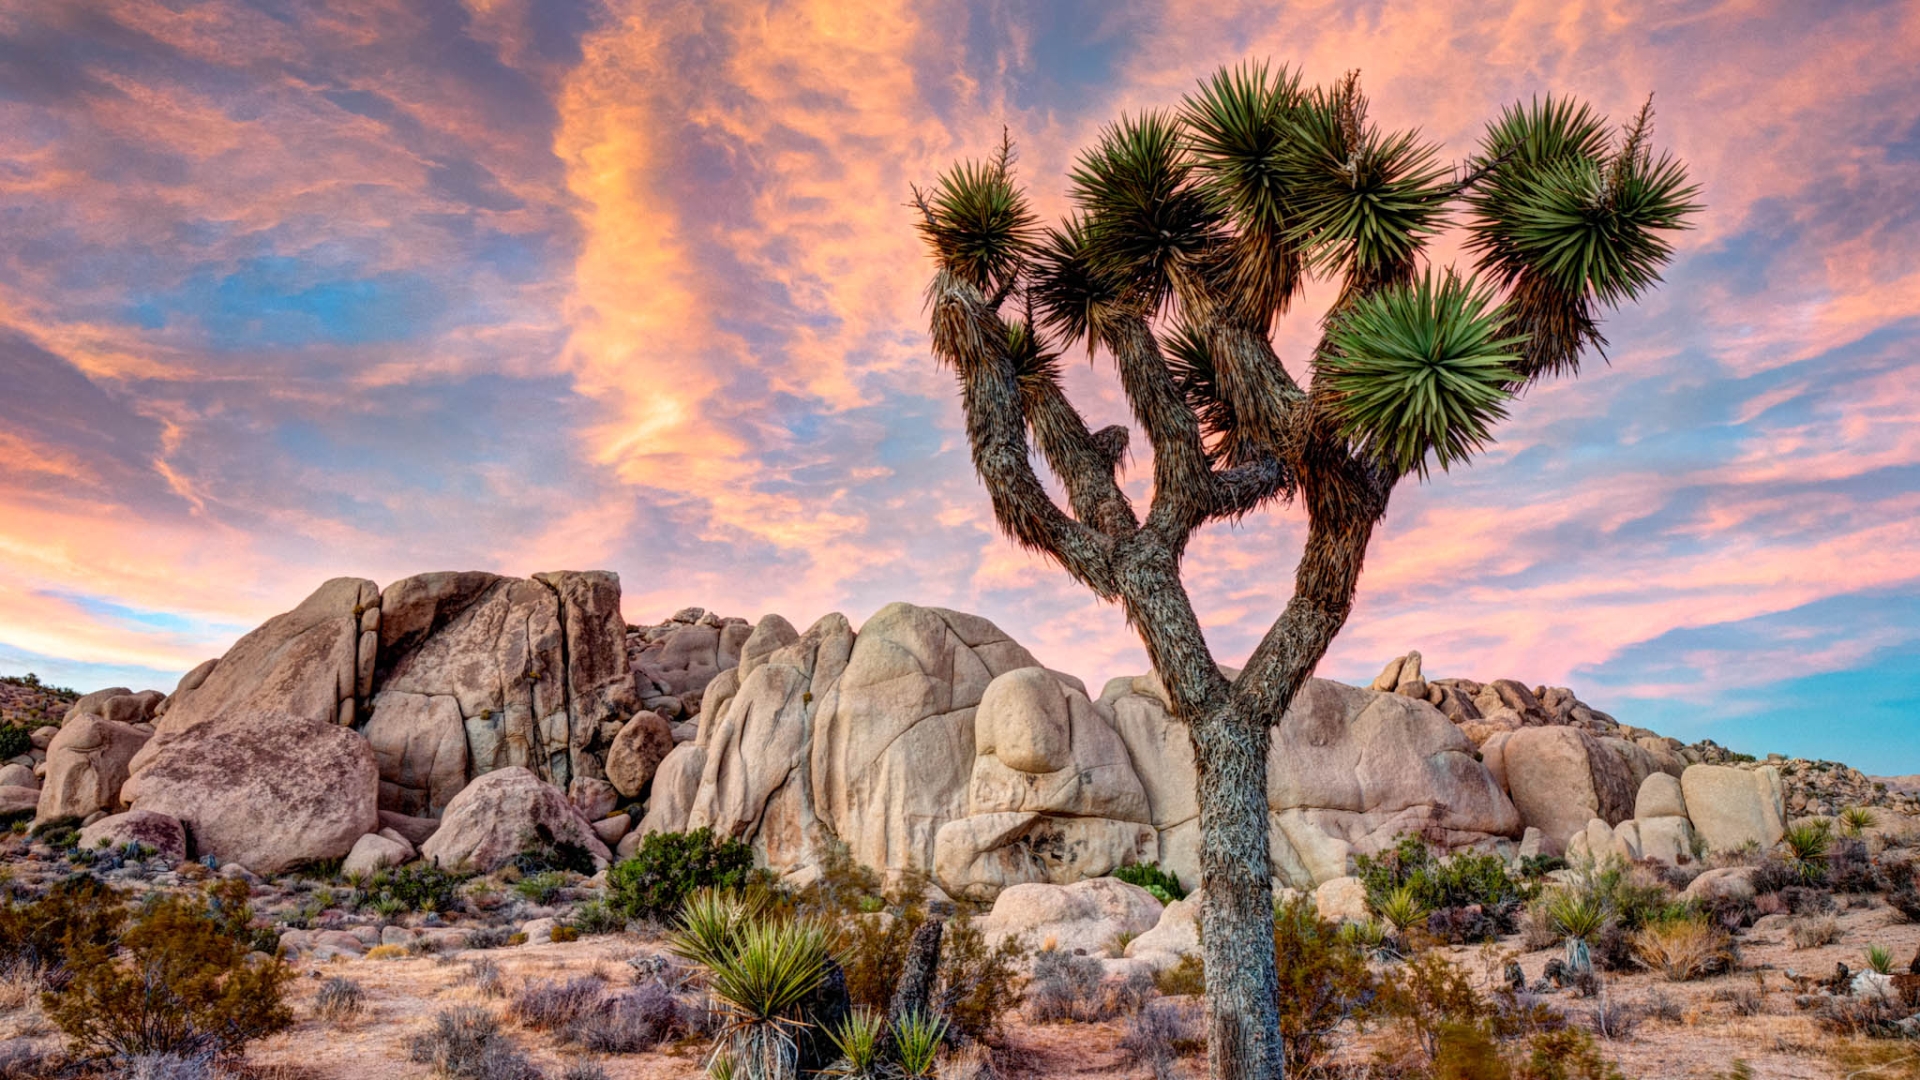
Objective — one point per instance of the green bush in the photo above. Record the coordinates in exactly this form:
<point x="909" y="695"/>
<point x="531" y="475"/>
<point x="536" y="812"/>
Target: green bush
<point x="414" y="887"/>
<point x="669" y="867"/>
<point x="1436" y="883"/>
<point x="14" y="741"/>
<point x="541" y="852"/>
<point x="1323" y="978"/>
<point x="78" y="912"/>
<point x="541" y="888"/>
<point x="186" y="984"/>
<point x="1164" y="886"/>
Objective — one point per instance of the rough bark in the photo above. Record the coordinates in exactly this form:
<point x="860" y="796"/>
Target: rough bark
<point x="914" y="991"/>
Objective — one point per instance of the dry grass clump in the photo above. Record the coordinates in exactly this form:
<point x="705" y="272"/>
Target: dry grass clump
<point x="1742" y="1000"/>
<point x="1684" y="949"/>
<point x="637" y="1020"/>
<point x="549" y="1006"/>
<point x="339" y="1000"/>
<point x="1162" y="1033"/>
<point x="465" y="1043"/>
<point x="1811" y="932"/>
<point x="20" y="984"/>
<point x="1064" y="987"/>
<point x="484" y="976"/>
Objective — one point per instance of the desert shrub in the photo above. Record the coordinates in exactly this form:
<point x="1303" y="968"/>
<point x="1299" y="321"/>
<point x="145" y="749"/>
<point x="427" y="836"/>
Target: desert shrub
<point x="1805" y="900"/>
<point x="1323" y="980"/>
<point x="541" y="853"/>
<point x="1567" y="1054"/>
<point x="1536" y="867"/>
<point x="595" y="917"/>
<point x="77" y="912"/>
<point x="1187" y="976"/>
<point x="669" y="867"/>
<point x="1850" y="868"/>
<point x="1774" y="873"/>
<point x="977" y="982"/>
<point x="415" y="887"/>
<point x="1664" y="1007"/>
<point x="465" y="1043"/>
<point x="488" y="937"/>
<point x="1401" y="908"/>
<point x="563" y="932"/>
<point x="541" y="888"/>
<point x="1163" y="1032"/>
<point x="1064" y="987"/>
<point x="1811" y="932"/>
<point x="1432" y="995"/>
<point x="24" y="1059"/>
<point x="1854" y="1015"/>
<point x="1164" y="886"/>
<point x="1741" y="1000"/>
<point x="1467" y="1052"/>
<point x="545" y="1005"/>
<point x="640" y="1019"/>
<point x="873" y="951"/>
<point x="186" y="985"/>
<point x="198" y="1065"/>
<point x="15" y="740"/>
<point x="1438" y="883"/>
<point x="1612" y="1019"/>
<point x="58" y="833"/>
<point x="339" y="999"/>
<point x="584" y="1070"/>
<point x="1684" y="949"/>
<point x="484" y="975"/>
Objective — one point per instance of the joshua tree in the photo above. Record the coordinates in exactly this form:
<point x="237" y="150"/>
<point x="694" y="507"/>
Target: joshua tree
<point x="1191" y="232"/>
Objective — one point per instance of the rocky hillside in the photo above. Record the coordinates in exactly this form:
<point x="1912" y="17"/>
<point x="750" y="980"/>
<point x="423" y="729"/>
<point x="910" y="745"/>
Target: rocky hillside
<point x="27" y="702"/>
<point x="450" y="715"/>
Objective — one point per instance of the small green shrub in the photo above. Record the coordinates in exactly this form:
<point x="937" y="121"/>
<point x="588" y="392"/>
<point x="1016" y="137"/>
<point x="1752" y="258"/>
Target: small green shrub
<point x="59" y="833"/>
<point x="187" y="984"/>
<point x="669" y="867"/>
<point x="14" y="741"/>
<point x="78" y="912"/>
<point x="1164" y="886"/>
<point x="1807" y="845"/>
<point x="415" y="887"/>
<point x="857" y="1039"/>
<point x="339" y="999"/>
<point x="595" y="917"/>
<point x="541" y="888"/>
<point x="1437" y="883"/>
<point x="977" y="983"/>
<point x="1435" y="998"/>
<point x="542" y="852"/>
<point x="1566" y="1054"/>
<point x="1323" y="978"/>
<point x="917" y="1039"/>
<point x="1856" y="820"/>
<point x="1879" y="959"/>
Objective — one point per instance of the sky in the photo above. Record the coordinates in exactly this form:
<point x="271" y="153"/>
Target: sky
<point x="292" y="290"/>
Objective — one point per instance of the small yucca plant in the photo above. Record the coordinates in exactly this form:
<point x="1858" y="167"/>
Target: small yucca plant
<point x="1807" y="846"/>
<point x="1402" y="909"/>
<point x="857" y="1038"/>
<point x="1578" y="916"/>
<point x="1855" y="820"/>
<point x="1879" y="959"/>
<point x="916" y="1039"/>
<point x="760" y="971"/>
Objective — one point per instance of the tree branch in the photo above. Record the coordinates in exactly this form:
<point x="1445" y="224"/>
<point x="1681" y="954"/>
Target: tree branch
<point x="969" y="336"/>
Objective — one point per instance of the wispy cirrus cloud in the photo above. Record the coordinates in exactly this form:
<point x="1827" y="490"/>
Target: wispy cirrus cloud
<point x="293" y="290"/>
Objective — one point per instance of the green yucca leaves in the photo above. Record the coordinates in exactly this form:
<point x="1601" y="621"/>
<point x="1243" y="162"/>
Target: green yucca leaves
<point x="710" y="925"/>
<point x="1577" y="914"/>
<point x="1145" y="217"/>
<point x="1238" y="126"/>
<point x="1363" y="202"/>
<point x="760" y="970"/>
<point x="1560" y="201"/>
<point x="1071" y="296"/>
<point x="1880" y="959"/>
<point x="917" y="1038"/>
<point x="978" y="223"/>
<point x="857" y="1039"/>
<point x="1420" y="370"/>
<point x="1402" y="909"/>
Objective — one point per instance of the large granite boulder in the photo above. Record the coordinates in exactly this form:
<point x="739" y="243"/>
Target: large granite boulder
<point x="420" y="742"/>
<point x="637" y="751"/>
<point x="269" y="790"/>
<point x="1732" y="807"/>
<point x="314" y="662"/>
<point x="118" y="704"/>
<point x="1561" y="778"/>
<point x="86" y="765"/>
<point x="503" y="813"/>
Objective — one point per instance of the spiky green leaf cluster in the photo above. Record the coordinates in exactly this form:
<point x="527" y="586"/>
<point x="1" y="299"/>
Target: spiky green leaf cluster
<point x="1239" y="125"/>
<point x="978" y="223"/>
<point x="1146" y="219"/>
<point x="1420" y="371"/>
<point x="1563" y="202"/>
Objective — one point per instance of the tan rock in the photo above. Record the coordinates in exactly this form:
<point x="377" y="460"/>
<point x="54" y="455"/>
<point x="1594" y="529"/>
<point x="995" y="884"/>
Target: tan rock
<point x="1023" y="721"/>
<point x="1660" y="796"/>
<point x="1668" y="839"/>
<point x="1086" y="916"/>
<point x="1728" y="882"/>
<point x="594" y="799"/>
<point x="977" y="857"/>
<point x="18" y="800"/>
<point x="1342" y="899"/>
<point x="14" y="774"/>
<point x="637" y="751"/>
<point x="1175" y="936"/>
<point x="611" y="830"/>
<point x="1731" y="807"/>
<point x="373" y="852"/>
<point x="1560" y="777"/>
<point x="411" y="829"/>
<point x="1091" y="774"/>
<point x="269" y="791"/>
<point x="87" y="763"/>
<point x="497" y="815"/>
<point x="164" y="835"/>
<point x="420" y="743"/>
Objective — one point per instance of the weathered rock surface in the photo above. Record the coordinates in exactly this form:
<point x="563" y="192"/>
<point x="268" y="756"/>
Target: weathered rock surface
<point x="1731" y="807"/>
<point x="1561" y="777"/>
<point x="637" y="751"/>
<point x="163" y="834"/>
<point x="1084" y="917"/>
<point x="375" y="851"/>
<point x="503" y="813"/>
<point x="267" y="790"/>
<point x="1175" y="936"/>
<point x="87" y="763"/>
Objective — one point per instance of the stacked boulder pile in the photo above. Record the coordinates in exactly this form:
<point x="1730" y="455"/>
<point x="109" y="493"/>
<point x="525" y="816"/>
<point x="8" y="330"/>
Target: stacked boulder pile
<point x="452" y="716"/>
